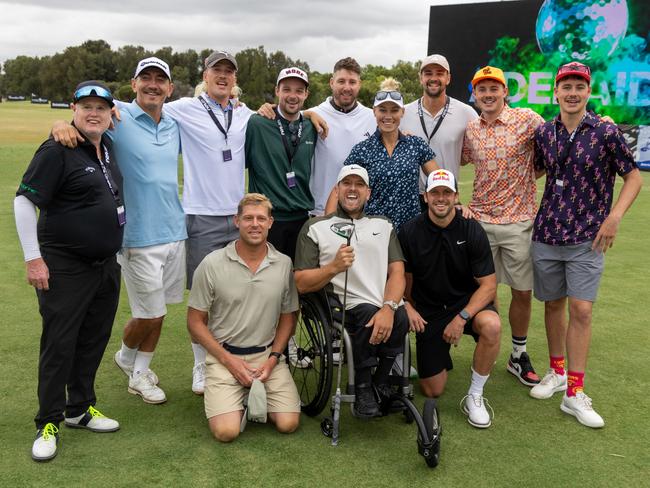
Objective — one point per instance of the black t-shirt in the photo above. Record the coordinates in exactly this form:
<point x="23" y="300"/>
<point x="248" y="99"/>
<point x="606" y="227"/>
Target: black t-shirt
<point x="78" y="211"/>
<point x="444" y="262"/>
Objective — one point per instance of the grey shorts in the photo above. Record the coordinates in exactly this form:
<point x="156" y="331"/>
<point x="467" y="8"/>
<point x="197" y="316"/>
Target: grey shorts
<point x="561" y="271"/>
<point x="206" y="233"/>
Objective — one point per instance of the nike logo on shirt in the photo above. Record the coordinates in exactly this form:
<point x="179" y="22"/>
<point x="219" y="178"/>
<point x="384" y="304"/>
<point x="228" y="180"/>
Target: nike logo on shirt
<point x="460" y="242"/>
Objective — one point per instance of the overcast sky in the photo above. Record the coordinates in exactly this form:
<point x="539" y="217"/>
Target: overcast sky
<point x="316" y="31"/>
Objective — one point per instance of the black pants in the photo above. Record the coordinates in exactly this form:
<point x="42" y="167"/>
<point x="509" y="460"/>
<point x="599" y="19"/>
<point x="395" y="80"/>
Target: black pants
<point x="284" y="235"/>
<point x="366" y="354"/>
<point x="78" y="312"/>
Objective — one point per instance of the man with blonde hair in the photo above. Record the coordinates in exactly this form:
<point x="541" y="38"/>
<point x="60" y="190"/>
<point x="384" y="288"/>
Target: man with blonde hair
<point x="241" y="310"/>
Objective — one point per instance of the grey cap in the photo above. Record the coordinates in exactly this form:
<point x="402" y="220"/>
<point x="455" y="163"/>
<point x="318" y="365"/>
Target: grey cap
<point x="438" y="59"/>
<point x="217" y="56"/>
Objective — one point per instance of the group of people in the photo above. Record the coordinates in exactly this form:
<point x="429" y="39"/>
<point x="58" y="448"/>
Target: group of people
<point x="418" y="259"/>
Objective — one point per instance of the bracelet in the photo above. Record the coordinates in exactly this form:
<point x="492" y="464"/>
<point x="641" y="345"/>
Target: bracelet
<point x="275" y="355"/>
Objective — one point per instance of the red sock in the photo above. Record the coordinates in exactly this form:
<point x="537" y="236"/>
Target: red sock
<point x="575" y="382"/>
<point x="557" y="364"/>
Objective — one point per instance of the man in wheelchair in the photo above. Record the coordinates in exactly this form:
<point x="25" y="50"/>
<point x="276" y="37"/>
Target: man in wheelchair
<point x="375" y="320"/>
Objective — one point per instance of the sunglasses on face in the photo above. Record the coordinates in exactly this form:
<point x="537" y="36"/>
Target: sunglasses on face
<point x="383" y="95"/>
<point x="92" y="90"/>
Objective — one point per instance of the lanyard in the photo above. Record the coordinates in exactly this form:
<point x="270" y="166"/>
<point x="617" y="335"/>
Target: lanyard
<point x="228" y="116"/>
<point x="561" y="159"/>
<point x="283" y="135"/>
<point x="107" y="174"/>
<point x="442" y="116"/>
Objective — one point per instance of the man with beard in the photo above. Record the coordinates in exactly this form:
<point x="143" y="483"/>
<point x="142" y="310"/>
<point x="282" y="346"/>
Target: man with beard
<point x="240" y="310"/>
<point x="500" y="145"/>
<point x="279" y="155"/>
<point x="438" y="118"/>
<point x="375" y="320"/>
<point x="348" y="122"/>
<point x="581" y="155"/>
<point x="450" y="288"/>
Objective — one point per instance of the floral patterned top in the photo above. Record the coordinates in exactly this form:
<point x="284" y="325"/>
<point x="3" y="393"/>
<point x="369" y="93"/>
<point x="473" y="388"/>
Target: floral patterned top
<point x="580" y="178"/>
<point x="393" y="179"/>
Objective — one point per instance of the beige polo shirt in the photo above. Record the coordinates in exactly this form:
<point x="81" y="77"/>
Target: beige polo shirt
<point x="243" y="307"/>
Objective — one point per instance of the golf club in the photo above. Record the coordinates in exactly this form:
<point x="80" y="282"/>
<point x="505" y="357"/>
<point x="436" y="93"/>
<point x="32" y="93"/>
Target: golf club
<point x="345" y="230"/>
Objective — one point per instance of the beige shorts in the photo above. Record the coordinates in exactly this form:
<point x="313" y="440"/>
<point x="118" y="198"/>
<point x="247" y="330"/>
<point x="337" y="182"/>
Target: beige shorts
<point x="224" y="394"/>
<point x="154" y="276"/>
<point x="510" y="244"/>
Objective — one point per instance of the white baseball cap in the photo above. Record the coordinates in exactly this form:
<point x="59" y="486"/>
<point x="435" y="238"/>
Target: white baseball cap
<point x="441" y="177"/>
<point x="293" y="72"/>
<point x="153" y="62"/>
<point x="353" y="169"/>
<point x="435" y="59"/>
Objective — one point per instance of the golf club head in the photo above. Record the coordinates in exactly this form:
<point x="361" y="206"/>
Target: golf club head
<point x="343" y="229"/>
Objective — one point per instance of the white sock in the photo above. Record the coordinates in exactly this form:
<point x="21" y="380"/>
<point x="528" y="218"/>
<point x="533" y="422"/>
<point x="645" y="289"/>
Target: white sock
<point x="477" y="384"/>
<point x="142" y="362"/>
<point x="127" y="355"/>
<point x="199" y="353"/>
<point x="518" y="346"/>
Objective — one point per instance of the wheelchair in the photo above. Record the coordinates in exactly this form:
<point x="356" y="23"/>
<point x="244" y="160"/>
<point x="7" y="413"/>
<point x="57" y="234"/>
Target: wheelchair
<point x="318" y="331"/>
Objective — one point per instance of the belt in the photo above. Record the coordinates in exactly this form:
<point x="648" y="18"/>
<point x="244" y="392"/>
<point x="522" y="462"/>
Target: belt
<point x="241" y="351"/>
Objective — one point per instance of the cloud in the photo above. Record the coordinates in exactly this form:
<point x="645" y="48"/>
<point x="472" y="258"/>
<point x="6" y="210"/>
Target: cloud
<point x="318" y="32"/>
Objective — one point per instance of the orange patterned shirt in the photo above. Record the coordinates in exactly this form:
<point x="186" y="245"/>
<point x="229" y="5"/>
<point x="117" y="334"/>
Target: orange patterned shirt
<point x="502" y="153"/>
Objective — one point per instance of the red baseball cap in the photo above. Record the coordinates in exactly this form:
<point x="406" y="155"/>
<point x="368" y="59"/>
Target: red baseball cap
<point x="573" y="69"/>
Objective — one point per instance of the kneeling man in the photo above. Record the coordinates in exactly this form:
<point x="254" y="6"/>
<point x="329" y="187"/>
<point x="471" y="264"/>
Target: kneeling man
<point x="451" y="287"/>
<point x="375" y="321"/>
<point x="241" y="310"/>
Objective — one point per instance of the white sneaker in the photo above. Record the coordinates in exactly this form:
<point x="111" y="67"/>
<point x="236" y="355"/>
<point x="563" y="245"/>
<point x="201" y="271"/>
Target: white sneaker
<point x="93" y="420"/>
<point x="293" y="356"/>
<point x="128" y="369"/>
<point x="44" y="447"/>
<point x="580" y="407"/>
<point x="144" y="386"/>
<point x="473" y="406"/>
<point x="551" y="383"/>
<point x="198" y="379"/>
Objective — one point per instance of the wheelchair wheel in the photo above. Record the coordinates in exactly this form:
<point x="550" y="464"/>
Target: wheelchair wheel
<point x="312" y="367"/>
<point x="431" y="450"/>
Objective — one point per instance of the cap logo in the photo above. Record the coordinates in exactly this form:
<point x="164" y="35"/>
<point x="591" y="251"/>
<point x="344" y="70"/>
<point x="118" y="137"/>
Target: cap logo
<point x="441" y="175"/>
<point x="487" y="71"/>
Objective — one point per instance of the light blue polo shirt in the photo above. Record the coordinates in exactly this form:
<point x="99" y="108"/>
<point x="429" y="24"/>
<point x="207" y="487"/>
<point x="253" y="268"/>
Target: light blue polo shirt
<point x="147" y="154"/>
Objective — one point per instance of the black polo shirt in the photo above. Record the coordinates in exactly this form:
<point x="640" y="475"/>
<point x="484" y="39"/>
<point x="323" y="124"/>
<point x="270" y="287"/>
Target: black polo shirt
<point x="78" y="211"/>
<point x="444" y="262"/>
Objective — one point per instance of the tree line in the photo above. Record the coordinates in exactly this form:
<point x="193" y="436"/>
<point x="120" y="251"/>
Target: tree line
<point x="54" y="77"/>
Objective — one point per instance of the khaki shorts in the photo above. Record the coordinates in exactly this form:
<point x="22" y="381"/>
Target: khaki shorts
<point x="224" y="394"/>
<point x="154" y="276"/>
<point x="510" y="244"/>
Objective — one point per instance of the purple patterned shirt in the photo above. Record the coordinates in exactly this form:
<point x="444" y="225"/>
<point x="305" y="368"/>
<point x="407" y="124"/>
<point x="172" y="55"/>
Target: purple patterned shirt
<point x="579" y="190"/>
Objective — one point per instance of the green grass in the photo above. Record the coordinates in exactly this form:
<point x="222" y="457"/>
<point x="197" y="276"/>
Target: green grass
<point x="531" y="442"/>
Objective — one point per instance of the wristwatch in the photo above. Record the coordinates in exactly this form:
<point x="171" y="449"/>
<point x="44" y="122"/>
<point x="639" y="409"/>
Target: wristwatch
<point x="276" y="355"/>
<point x="393" y="305"/>
<point x="464" y="315"/>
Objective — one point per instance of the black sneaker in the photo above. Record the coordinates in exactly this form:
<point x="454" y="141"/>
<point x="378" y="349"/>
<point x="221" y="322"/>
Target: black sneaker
<point x="523" y="370"/>
<point x="365" y="405"/>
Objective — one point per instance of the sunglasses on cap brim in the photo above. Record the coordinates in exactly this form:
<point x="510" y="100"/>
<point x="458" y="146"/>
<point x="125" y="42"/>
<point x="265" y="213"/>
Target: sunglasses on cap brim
<point x="383" y="95"/>
<point x="93" y="91"/>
